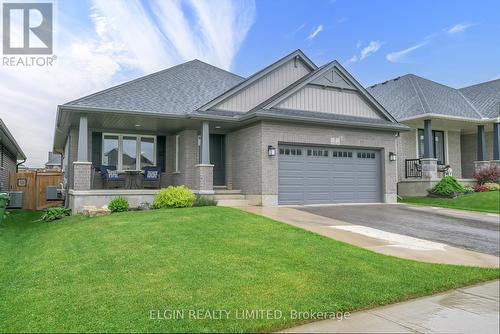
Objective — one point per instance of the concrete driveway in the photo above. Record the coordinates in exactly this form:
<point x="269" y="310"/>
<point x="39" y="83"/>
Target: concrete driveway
<point x="474" y="231"/>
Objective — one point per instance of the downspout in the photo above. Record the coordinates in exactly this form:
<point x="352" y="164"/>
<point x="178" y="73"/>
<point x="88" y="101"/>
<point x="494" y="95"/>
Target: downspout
<point x="17" y="165"/>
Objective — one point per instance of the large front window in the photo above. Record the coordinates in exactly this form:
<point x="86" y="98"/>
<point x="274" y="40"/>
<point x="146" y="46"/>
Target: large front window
<point x="128" y="152"/>
<point x="437" y="142"/>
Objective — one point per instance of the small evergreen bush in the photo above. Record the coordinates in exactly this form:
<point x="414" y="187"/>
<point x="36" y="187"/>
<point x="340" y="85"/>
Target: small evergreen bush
<point x="204" y="201"/>
<point x="118" y="204"/>
<point x="174" y="197"/>
<point x="447" y="187"/>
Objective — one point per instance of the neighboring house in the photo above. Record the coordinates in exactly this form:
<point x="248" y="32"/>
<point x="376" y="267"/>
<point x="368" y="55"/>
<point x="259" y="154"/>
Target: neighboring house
<point x="54" y="162"/>
<point x="456" y="127"/>
<point x="292" y="133"/>
<point x="10" y="153"/>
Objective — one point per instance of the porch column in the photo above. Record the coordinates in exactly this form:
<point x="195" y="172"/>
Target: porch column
<point x="481" y="144"/>
<point x="429" y="163"/>
<point x="82" y="139"/>
<point x="205" y="170"/>
<point x="82" y="168"/>
<point x="428" y="143"/>
<point x="496" y="141"/>
<point x="205" y="143"/>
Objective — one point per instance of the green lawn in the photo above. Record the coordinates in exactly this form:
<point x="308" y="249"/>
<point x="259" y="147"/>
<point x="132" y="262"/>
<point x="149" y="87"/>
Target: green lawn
<point x="485" y="202"/>
<point x="106" y="274"/>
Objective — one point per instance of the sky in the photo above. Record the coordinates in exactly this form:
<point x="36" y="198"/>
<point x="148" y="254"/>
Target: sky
<point x="101" y="43"/>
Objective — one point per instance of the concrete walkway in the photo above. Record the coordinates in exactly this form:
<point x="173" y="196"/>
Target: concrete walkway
<point x="467" y="310"/>
<point x="376" y="240"/>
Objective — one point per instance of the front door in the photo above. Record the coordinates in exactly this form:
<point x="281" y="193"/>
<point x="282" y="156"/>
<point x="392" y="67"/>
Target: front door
<point x="218" y="158"/>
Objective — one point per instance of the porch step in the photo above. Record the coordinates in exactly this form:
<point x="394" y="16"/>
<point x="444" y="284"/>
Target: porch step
<point x="219" y="197"/>
<point x="233" y="197"/>
<point x="220" y="191"/>
<point x="232" y="202"/>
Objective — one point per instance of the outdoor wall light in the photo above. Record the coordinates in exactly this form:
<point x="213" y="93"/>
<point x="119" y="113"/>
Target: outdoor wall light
<point x="392" y="156"/>
<point x="271" y="151"/>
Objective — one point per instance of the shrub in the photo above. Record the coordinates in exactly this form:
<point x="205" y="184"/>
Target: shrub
<point x="204" y="201"/>
<point x="174" y="197"/>
<point x="492" y="186"/>
<point x="118" y="204"/>
<point x="480" y="188"/>
<point x="487" y="174"/>
<point x="468" y="189"/>
<point x="52" y="214"/>
<point x="447" y="187"/>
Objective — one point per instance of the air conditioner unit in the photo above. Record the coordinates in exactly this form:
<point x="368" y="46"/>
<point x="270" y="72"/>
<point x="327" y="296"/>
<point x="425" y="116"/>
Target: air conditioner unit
<point x="16" y="200"/>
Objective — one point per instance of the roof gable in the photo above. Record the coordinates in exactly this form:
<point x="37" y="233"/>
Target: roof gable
<point x="271" y="79"/>
<point x="331" y="83"/>
<point x="333" y="78"/>
<point x="179" y="89"/>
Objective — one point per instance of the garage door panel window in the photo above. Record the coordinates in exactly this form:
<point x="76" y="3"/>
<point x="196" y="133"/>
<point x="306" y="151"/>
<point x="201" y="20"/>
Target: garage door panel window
<point x="329" y="175"/>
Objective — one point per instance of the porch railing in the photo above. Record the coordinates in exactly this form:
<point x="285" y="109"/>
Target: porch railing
<point x="413" y="168"/>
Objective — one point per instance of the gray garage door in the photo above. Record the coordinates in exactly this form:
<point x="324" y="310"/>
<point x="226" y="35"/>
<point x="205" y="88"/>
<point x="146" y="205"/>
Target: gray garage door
<point x="313" y="175"/>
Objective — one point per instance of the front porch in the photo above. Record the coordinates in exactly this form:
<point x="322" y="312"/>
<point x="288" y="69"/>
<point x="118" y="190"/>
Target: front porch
<point x="103" y="162"/>
<point x="438" y="143"/>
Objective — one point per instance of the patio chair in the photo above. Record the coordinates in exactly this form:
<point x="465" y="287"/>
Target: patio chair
<point x="151" y="177"/>
<point x="110" y="177"/>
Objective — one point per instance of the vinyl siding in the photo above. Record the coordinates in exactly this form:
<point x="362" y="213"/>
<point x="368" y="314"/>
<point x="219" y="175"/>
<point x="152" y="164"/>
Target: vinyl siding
<point x="8" y="164"/>
<point x="265" y="87"/>
<point x="329" y="100"/>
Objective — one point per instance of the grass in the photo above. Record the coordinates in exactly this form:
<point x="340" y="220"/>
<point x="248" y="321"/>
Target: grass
<point x="106" y="274"/>
<point x="483" y="202"/>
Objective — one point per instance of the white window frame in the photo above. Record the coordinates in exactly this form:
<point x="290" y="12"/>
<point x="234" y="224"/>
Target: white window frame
<point x="137" y="148"/>
<point x="177" y="142"/>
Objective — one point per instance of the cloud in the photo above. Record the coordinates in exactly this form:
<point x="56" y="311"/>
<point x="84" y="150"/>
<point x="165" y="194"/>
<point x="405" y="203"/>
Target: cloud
<point x="459" y="28"/>
<point x="353" y="59"/>
<point x="365" y="52"/>
<point x="118" y="42"/>
<point x="399" y="56"/>
<point x="371" y="48"/>
<point x="342" y="20"/>
<point x="315" y="32"/>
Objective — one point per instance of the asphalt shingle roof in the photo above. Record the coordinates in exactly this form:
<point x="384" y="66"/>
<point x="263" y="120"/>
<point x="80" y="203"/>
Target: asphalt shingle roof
<point x="485" y="97"/>
<point x="177" y="90"/>
<point x="411" y="95"/>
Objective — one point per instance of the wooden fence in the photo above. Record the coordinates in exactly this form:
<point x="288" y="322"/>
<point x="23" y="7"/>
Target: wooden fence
<point x="34" y="184"/>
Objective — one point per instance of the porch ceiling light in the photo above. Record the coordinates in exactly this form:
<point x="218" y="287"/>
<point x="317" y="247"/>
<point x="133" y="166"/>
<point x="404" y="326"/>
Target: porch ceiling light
<point x="217" y="126"/>
<point x="137" y="125"/>
<point x="271" y="151"/>
<point x="392" y="156"/>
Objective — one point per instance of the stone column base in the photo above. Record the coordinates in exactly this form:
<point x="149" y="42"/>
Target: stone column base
<point x="429" y="168"/>
<point x="478" y="165"/>
<point x="82" y="175"/>
<point x="495" y="163"/>
<point x="205" y="179"/>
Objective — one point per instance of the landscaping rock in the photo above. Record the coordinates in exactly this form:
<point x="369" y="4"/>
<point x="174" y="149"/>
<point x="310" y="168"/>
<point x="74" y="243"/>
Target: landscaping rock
<point x="92" y="211"/>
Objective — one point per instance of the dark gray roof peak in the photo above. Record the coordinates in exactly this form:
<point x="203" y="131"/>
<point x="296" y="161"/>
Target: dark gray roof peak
<point x="485" y="97"/>
<point x="179" y="89"/>
<point x="410" y="95"/>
